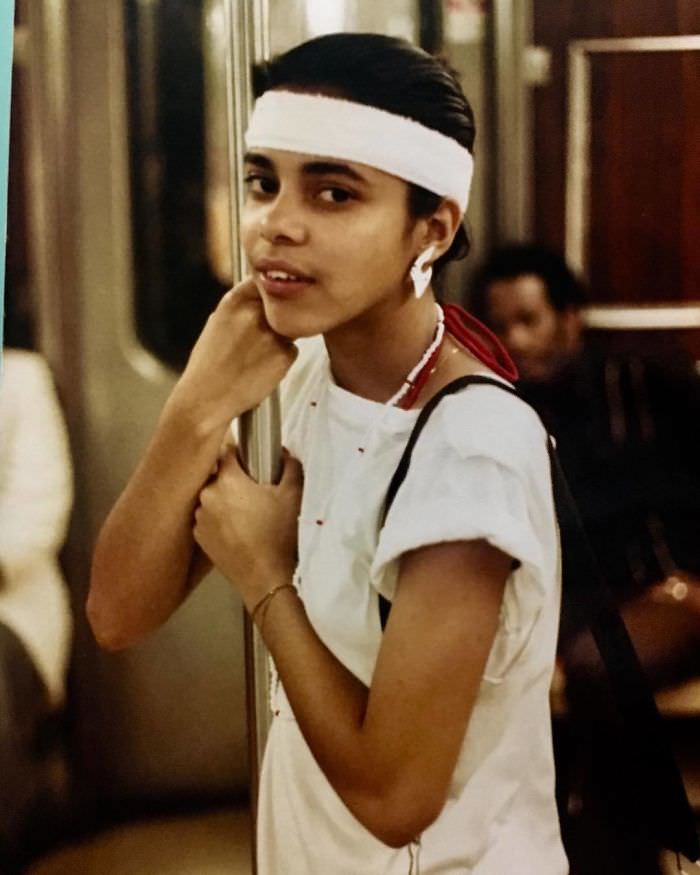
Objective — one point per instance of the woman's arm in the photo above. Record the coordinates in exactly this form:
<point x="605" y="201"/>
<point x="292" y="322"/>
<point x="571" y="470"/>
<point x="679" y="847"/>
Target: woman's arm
<point x="145" y="562"/>
<point x="389" y="752"/>
<point x="143" y="554"/>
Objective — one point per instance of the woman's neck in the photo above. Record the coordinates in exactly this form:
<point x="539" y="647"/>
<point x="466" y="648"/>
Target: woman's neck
<point x="372" y="355"/>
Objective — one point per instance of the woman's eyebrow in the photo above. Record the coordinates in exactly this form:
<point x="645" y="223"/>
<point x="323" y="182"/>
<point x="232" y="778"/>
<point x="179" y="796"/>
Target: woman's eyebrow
<point x="312" y="168"/>
<point x="320" y="168"/>
<point x="258" y="160"/>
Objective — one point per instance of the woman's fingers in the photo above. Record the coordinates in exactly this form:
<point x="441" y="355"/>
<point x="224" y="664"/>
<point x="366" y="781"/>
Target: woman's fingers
<point x="246" y="290"/>
<point x="241" y="292"/>
<point x="237" y="360"/>
<point x="231" y="470"/>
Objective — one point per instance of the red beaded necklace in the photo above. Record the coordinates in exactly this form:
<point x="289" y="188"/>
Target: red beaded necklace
<point x="474" y="336"/>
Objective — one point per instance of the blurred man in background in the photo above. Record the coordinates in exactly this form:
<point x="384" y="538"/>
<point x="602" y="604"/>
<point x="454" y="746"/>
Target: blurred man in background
<point x="627" y="433"/>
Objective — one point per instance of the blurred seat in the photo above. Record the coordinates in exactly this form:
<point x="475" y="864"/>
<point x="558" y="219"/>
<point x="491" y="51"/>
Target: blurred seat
<point x="681" y="700"/>
<point x="155" y="777"/>
<point x="214" y="843"/>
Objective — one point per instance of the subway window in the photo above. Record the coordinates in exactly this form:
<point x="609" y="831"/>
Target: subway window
<point x="174" y="286"/>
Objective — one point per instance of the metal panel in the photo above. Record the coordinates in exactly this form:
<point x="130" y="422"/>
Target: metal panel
<point x="512" y="28"/>
<point x="49" y="195"/>
<point x="135" y="737"/>
<point x="259" y="429"/>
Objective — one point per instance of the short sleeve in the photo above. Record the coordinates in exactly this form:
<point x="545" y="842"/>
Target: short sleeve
<point x="479" y="471"/>
<point x="467" y="500"/>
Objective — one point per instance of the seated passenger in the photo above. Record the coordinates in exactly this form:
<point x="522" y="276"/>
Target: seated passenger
<point x="35" y="625"/>
<point x="627" y="433"/>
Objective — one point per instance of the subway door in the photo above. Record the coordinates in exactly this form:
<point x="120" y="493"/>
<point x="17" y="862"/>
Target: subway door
<point x="164" y="720"/>
<point x="616" y="161"/>
<point x="152" y="261"/>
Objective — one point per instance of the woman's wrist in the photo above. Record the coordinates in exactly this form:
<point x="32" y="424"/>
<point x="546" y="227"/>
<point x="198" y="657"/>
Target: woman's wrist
<point x="204" y="420"/>
<point x="258" y="612"/>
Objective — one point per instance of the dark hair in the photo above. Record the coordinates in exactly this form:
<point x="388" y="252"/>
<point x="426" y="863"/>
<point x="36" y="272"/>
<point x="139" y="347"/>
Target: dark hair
<point x="387" y="73"/>
<point x="564" y="289"/>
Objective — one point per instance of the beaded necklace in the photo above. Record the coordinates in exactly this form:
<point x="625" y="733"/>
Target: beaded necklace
<point x="417" y="375"/>
<point x="468" y="331"/>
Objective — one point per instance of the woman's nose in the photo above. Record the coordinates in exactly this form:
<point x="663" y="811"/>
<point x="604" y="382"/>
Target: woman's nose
<point x="282" y="221"/>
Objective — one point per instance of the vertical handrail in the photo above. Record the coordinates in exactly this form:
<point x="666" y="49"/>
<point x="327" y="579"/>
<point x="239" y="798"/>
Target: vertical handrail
<point x="247" y="42"/>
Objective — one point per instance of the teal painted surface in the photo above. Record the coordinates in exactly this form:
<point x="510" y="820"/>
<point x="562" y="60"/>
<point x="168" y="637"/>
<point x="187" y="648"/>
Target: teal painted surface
<point x="7" y="9"/>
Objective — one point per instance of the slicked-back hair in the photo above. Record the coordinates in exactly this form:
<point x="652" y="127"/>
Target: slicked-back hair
<point x="389" y="74"/>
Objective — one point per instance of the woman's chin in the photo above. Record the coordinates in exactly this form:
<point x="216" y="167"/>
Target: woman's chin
<point x="289" y="322"/>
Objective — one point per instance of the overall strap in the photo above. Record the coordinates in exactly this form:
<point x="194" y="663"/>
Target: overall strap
<point x="665" y="800"/>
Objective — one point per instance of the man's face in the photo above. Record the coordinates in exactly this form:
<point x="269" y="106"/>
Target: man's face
<point x="540" y="338"/>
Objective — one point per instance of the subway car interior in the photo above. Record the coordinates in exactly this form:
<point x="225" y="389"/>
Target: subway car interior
<point x="120" y="224"/>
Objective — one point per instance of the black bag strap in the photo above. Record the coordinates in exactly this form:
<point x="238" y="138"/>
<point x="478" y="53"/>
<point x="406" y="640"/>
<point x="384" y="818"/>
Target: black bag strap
<point x="666" y="802"/>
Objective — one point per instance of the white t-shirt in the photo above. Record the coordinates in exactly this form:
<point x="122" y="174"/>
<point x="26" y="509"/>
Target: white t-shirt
<point x="36" y="493"/>
<point x="479" y="470"/>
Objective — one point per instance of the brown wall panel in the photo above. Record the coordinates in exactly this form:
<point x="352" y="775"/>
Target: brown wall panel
<point x="690" y="195"/>
<point x="641" y="158"/>
<point x="555" y="25"/>
<point x="645" y="150"/>
<point x="652" y="17"/>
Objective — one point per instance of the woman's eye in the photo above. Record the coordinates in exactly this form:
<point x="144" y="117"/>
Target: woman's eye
<point x="333" y="195"/>
<point x="259" y="184"/>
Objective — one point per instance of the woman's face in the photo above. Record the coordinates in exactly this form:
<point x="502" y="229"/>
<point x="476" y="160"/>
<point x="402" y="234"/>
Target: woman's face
<point x="328" y="241"/>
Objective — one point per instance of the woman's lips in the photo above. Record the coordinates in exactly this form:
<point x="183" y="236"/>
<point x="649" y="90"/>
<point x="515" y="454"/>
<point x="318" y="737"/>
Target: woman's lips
<point x="280" y="284"/>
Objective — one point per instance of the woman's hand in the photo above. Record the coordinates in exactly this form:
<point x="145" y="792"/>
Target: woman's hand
<point x="249" y="530"/>
<point x="236" y="362"/>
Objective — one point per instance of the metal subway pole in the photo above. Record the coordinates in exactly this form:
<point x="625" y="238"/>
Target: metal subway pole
<point x="247" y="42"/>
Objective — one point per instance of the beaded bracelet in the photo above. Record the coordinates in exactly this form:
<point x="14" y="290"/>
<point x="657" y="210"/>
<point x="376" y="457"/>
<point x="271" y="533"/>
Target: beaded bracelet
<point x="267" y="598"/>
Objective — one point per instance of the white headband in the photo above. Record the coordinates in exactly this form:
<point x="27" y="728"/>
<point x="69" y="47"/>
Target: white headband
<point x="314" y="124"/>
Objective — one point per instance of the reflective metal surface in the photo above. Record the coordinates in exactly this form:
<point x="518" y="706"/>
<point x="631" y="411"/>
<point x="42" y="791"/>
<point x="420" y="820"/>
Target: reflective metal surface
<point x="133" y="737"/>
<point x="511" y="36"/>
<point x="260" y="435"/>
<point x="44" y="55"/>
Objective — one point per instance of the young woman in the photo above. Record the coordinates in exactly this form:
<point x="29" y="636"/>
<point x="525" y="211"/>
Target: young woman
<point x="424" y="746"/>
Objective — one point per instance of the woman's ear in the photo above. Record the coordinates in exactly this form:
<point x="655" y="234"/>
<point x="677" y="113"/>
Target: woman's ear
<point x="442" y="226"/>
